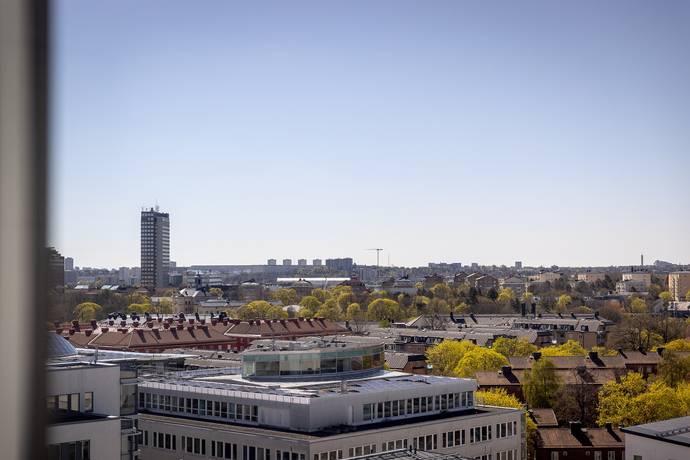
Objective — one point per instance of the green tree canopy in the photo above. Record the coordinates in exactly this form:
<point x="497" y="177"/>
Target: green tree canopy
<point x="638" y="305"/>
<point x="357" y="317"/>
<point x="383" y="310"/>
<point x="330" y="310"/>
<point x="321" y="294"/>
<point x="506" y="296"/>
<point x="215" y="292"/>
<point x="678" y="345"/>
<point x="513" y="347"/>
<point x="86" y="311"/>
<point x="479" y="359"/>
<point x="563" y="302"/>
<point x="260" y="309"/>
<point x="541" y="384"/>
<point x="569" y="348"/>
<point x="286" y="296"/>
<point x="445" y="356"/>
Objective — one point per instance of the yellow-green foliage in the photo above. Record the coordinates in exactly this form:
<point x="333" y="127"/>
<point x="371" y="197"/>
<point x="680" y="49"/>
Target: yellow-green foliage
<point x="678" y="345"/>
<point x="479" y="359"/>
<point x="633" y="401"/>
<point x="569" y="348"/>
<point x="513" y="347"/>
<point x="445" y="356"/>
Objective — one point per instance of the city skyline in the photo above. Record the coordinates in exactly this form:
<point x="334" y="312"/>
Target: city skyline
<point x="463" y="132"/>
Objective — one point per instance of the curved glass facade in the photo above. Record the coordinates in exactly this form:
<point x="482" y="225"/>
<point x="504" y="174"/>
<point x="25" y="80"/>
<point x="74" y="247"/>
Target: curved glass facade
<point x="319" y="363"/>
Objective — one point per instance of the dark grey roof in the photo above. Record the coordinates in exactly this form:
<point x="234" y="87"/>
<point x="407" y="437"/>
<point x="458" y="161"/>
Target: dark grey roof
<point x="674" y="431"/>
<point x="58" y="347"/>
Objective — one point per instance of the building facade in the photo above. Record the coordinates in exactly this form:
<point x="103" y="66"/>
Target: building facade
<point x="155" y="248"/>
<point x="319" y="400"/>
<point x="667" y="439"/>
<point x="679" y="285"/>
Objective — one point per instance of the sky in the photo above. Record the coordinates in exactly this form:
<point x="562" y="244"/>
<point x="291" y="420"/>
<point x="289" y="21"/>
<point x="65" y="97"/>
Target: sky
<point x="457" y="131"/>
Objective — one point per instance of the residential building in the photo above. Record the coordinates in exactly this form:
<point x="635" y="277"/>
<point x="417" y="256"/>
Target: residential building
<point x="155" y="248"/>
<point x="544" y="277"/>
<point x="287" y="262"/>
<point x="631" y="286"/>
<point x="577" y="443"/>
<point x="318" y="400"/>
<point x="340" y="265"/>
<point x="679" y="285"/>
<point x="485" y="283"/>
<point x="518" y="265"/>
<point x="56" y="263"/>
<point x="302" y="262"/>
<point x="517" y="285"/>
<point x="412" y="363"/>
<point x="156" y="335"/>
<point x="316" y="262"/>
<point x="642" y="277"/>
<point x="271" y="262"/>
<point x="591" y="277"/>
<point x="69" y="263"/>
<point x="667" y="439"/>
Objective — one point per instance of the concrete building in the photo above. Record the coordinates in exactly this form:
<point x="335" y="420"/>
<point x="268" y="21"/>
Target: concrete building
<point x="316" y="262"/>
<point x="544" y="277"/>
<point x="57" y="268"/>
<point x="287" y="262"/>
<point x="518" y="285"/>
<point x="591" y="277"/>
<point x="340" y="265"/>
<point x="679" y="285"/>
<point x="155" y="248"/>
<point x="83" y="400"/>
<point x="644" y="278"/>
<point x="69" y="263"/>
<point x="319" y="400"/>
<point x="271" y="262"/>
<point x="668" y="439"/>
<point x="518" y="265"/>
<point x="302" y="262"/>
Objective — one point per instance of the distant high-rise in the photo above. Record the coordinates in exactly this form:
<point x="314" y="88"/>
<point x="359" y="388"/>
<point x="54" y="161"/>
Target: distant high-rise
<point x="287" y="262"/>
<point x="518" y="264"/>
<point x="69" y="263"/>
<point x="302" y="262"/>
<point x="155" y="248"/>
<point x="316" y="262"/>
<point x="271" y="262"/>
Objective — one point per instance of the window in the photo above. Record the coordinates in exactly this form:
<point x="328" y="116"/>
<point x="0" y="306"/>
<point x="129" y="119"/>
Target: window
<point x="611" y="455"/>
<point x="597" y="455"/>
<point x="554" y="455"/>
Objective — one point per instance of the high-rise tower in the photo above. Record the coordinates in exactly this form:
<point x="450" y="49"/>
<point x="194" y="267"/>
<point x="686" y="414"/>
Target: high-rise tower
<point x="155" y="248"/>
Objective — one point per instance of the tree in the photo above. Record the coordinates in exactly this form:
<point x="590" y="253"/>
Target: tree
<point x="441" y="291"/>
<point x="674" y="368"/>
<point x="632" y="401"/>
<point x="86" y="311"/>
<point x="461" y="308"/>
<point x="678" y="345"/>
<point x="445" y="356"/>
<point x="665" y="297"/>
<point x="383" y="310"/>
<point x="506" y="296"/>
<point x="310" y="301"/>
<point x="638" y="305"/>
<point x="163" y="306"/>
<point x="541" y="384"/>
<point x="330" y="310"/>
<point x="687" y="295"/>
<point x="513" y="347"/>
<point x="564" y="300"/>
<point x="528" y="298"/>
<point x="569" y="348"/>
<point x="286" y="296"/>
<point x="356" y="317"/>
<point x="139" y="308"/>
<point x="578" y="399"/>
<point x="436" y="312"/>
<point x="479" y="359"/>
<point x="321" y="294"/>
<point x="492" y="294"/>
<point x="216" y="292"/>
<point x="260" y="309"/>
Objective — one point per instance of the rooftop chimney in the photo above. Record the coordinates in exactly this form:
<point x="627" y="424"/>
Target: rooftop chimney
<point x="594" y="355"/>
<point x="104" y="329"/>
<point x="536" y="355"/>
<point x="576" y="429"/>
<point x="87" y="332"/>
<point x="660" y="350"/>
<point x="506" y="370"/>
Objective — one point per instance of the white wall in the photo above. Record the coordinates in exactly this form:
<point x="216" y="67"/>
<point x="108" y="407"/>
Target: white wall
<point x="649" y="449"/>
<point x="103" y="380"/>
<point x="103" y="436"/>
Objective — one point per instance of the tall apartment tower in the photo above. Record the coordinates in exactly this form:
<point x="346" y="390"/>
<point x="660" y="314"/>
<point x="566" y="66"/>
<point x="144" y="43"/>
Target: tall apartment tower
<point x="155" y="248"/>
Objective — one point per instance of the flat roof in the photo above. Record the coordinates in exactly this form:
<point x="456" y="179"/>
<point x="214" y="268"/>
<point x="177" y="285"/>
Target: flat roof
<point x="674" y="431"/>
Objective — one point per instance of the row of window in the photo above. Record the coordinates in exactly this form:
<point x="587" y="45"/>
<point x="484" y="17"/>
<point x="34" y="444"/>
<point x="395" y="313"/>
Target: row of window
<point x="373" y="411"/>
<point x="75" y="450"/>
<point x="219" y="409"/>
<point x="70" y="402"/>
<point x="361" y="450"/>
<point x="218" y="449"/>
<point x="598" y="455"/>
<point x="506" y="429"/>
<point x="507" y="455"/>
<point x="480" y="434"/>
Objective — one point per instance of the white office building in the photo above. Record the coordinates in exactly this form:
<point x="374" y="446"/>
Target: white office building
<point x="318" y="400"/>
<point x="664" y="440"/>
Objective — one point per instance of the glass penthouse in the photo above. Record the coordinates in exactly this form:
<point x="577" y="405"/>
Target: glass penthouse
<point x="318" y="400"/>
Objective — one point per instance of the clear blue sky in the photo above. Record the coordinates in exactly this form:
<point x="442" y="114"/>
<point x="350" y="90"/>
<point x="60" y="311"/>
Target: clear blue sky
<point x="547" y="132"/>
